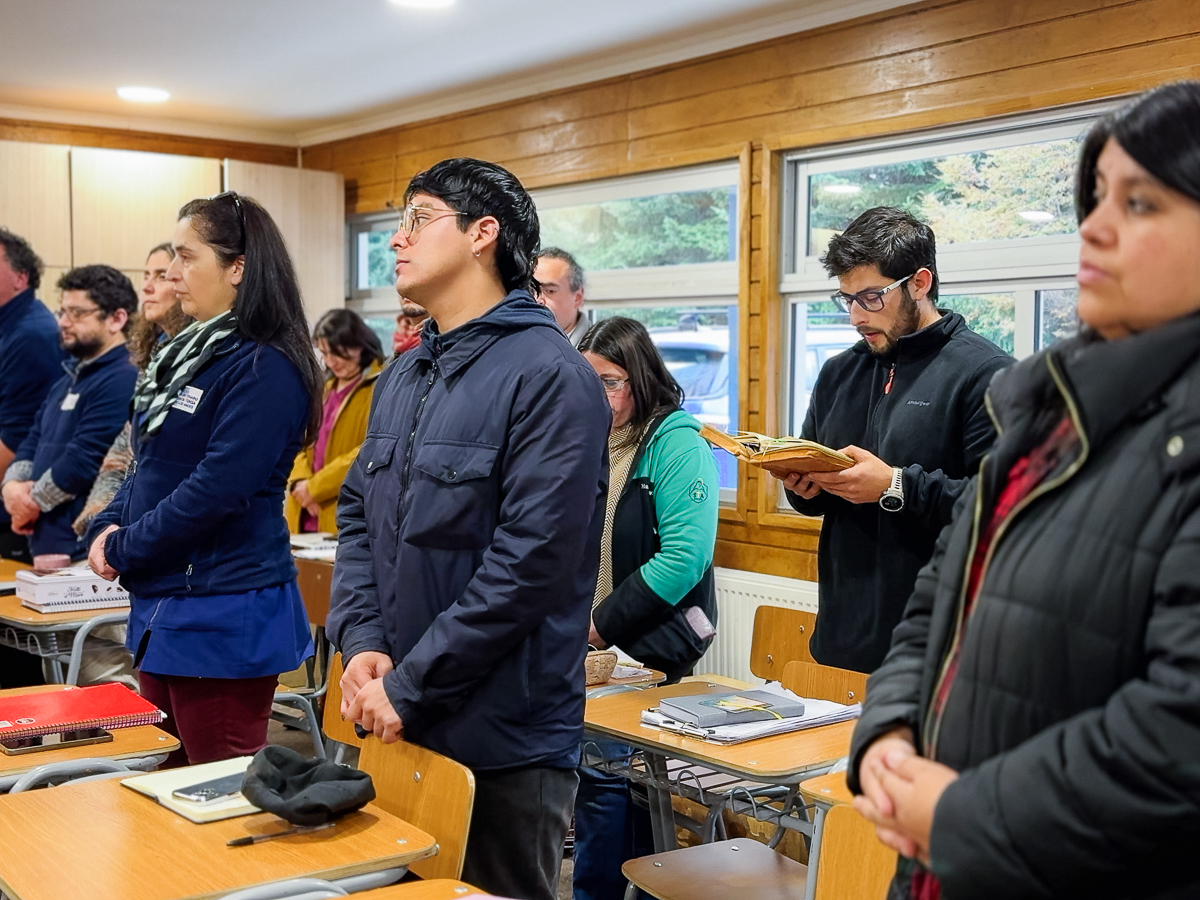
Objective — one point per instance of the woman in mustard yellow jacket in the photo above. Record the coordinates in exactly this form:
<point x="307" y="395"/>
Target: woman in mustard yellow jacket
<point x="353" y="359"/>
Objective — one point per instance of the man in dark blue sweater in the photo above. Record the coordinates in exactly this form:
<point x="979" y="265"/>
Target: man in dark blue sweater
<point x="54" y="467"/>
<point x="30" y="359"/>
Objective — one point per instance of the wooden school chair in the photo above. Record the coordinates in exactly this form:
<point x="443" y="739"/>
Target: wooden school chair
<point x="423" y="788"/>
<point x="781" y="635"/>
<point x="434" y="889"/>
<point x="808" y="679"/>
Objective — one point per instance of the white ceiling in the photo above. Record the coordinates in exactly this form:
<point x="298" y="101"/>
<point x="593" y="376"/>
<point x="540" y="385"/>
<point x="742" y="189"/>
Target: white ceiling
<point x="298" y="71"/>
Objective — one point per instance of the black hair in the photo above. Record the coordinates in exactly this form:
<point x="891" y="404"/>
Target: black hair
<point x="626" y="343"/>
<point x="268" y="306"/>
<point x="474" y="189"/>
<point x="346" y="333"/>
<point x="1160" y="130"/>
<point x="109" y="288"/>
<point x="894" y="241"/>
<point x="574" y="269"/>
<point x="21" y="257"/>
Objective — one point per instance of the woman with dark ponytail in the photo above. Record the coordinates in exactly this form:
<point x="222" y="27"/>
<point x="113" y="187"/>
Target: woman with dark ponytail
<point x="197" y="532"/>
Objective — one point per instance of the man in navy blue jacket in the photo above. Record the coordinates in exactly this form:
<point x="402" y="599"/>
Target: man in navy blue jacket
<point x="469" y="527"/>
<point x="30" y="360"/>
<point x="54" y="467"/>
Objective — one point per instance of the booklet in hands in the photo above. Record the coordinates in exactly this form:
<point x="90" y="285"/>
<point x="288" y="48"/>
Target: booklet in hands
<point x="779" y="456"/>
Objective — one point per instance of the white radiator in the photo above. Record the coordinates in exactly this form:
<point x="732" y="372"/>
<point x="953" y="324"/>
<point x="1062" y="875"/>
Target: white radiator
<point x="739" y="594"/>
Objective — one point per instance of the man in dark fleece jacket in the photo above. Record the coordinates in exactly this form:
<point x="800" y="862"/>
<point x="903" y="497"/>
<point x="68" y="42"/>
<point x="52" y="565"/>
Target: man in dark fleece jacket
<point x="907" y="404"/>
<point x="469" y="527"/>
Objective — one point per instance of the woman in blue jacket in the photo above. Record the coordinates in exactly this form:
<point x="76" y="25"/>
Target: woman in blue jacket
<point x="654" y="590"/>
<point x="197" y="532"/>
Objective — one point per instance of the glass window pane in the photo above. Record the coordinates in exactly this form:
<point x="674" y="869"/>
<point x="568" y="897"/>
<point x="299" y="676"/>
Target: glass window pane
<point x="663" y="230"/>
<point x="699" y="346"/>
<point x="819" y="333"/>
<point x="376" y="262"/>
<point x="384" y="327"/>
<point x="992" y="315"/>
<point x="1011" y="192"/>
<point x="1057" y="318"/>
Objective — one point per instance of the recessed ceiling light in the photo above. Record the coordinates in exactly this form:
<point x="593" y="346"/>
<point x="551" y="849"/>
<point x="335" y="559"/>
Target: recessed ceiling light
<point x="1035" y="215"/>
<point x="841" y="188"/>
<point x="423" y="4"/>
<point x="143" y="94"/>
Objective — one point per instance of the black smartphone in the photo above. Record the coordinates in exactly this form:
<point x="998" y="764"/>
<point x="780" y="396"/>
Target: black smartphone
<point x="211" y="791"/>
<point x="56" y="740"/>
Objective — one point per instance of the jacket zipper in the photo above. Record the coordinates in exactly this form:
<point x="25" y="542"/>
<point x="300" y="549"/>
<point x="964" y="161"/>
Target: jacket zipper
<point x="932" y="728"/>
<point x="412" y="435"/>
<point x="878" y="412"/>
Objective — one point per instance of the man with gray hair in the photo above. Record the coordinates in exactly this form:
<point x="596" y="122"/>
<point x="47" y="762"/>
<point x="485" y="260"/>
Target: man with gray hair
<point x="561" y="280"/>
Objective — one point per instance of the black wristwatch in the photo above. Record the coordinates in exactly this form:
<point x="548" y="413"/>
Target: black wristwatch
<point x="893" y="498"/>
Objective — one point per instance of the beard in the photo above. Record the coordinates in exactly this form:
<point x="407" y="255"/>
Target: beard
<point x="81" y="349"/>
<point x="908" y="319"/>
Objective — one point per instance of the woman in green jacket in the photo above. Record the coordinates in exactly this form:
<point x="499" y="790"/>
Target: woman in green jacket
<point x="654" y="589"/>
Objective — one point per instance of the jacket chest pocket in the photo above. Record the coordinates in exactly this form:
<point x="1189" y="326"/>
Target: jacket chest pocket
<point x="380" y="485"/>
<point x="452" y="497"/>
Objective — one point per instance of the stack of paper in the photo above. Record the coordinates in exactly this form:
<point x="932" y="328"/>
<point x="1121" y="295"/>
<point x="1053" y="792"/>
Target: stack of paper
<point x="816" y="713"/>
<point x="159" y="785"/>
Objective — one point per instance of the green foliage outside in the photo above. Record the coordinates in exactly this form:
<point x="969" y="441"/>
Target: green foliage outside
<point x="664" y="230"/>
<point x="992" y="315"/>
<point x="666" y="316"/>
<point x="381" y="261"/>
<point x="966" y="197"/>
<point x="1058" y="316"/>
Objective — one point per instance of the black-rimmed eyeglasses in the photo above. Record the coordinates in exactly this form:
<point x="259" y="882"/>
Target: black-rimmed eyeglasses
<point x="871" y="301"/>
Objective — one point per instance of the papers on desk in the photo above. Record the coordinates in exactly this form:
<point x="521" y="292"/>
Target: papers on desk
<point x="70" y="589"/>
<point x="629" y="671"/>
<point x="315" y="545"/>
<point x="816" y="713"/>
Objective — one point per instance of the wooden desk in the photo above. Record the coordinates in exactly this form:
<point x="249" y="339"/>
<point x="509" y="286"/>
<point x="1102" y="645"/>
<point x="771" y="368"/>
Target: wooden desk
<point x="829" y="789"/>
<point x="783" y="759"/>
<point x="9" y="569"/>
<point x="127" y="743"/>
<point x="39" y="633"/>
<point x="780" y="759"/>
<point x="103" y="841"/>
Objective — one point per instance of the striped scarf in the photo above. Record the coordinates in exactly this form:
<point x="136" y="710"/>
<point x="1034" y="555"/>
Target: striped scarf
<point x="173" y="367"/>
<point x="623" y="444"/>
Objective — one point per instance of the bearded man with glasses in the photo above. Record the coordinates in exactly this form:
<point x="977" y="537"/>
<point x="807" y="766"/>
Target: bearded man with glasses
<point x="907" y="404"/>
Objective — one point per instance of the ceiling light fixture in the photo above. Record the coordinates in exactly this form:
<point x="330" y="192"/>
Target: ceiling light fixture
<point x="423" y="4"/>
<point x="143" y="94"/>
<point x="841" y="188"/>
<point x="1035" y="215"/>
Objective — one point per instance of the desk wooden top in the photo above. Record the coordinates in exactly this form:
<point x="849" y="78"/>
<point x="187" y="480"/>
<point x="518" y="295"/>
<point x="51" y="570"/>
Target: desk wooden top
<point x="13" y="613"/>
<point x="127" y="743"/>
<point x="781" y="758"/>
<point x="829" y="789"/>
<point x="103" y="841"/>
<point x="9" y="569"/>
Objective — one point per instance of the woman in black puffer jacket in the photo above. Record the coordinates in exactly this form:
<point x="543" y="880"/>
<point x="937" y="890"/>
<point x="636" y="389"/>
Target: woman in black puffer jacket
<point x="1035" y="729"/>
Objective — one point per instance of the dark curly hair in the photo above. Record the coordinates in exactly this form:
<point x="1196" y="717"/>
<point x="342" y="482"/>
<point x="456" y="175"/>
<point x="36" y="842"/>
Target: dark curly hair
<point x="21" y="257"/>
<point x="887" y="237"/>
<point x="109" y="288"/>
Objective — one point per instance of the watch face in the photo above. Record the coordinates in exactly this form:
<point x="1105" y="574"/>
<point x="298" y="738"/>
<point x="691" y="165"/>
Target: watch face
<point x="891" y="503"/>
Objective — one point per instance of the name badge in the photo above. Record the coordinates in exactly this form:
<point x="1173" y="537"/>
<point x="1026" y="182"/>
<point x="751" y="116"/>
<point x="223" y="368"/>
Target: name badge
<point x="69" y="402"/>
<point x="188" y="399"/>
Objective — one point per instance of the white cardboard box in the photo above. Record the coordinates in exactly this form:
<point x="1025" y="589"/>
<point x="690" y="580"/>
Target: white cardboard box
<point x="74" y="588"/>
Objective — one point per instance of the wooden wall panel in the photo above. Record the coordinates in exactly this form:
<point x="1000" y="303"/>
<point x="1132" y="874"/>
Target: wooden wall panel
<point x="35" y="198"/>
<point x="150" y="142"/>
<point x="124" y="202"/>
<point x="309" y="208"/>
<point x="928" y="64"/>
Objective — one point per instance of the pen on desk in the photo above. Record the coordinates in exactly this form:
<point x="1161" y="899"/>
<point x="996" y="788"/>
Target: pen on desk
<point x="259" y="838"/>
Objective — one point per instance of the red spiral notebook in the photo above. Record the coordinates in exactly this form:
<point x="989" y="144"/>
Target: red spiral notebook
<point x="99" y="706"/>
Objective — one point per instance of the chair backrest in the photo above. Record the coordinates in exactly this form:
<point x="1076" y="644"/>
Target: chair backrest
<point x="313" y="577"/>
<point x="780" y="635"/>
<point x="824" y="682"/>
<point x="852" y="864"/>
<point x="427" y="790"/>
<point x="335" y="727"/>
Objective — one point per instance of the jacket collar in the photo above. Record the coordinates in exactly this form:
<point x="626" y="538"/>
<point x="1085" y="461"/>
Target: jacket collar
<point x="457" y="349"/>
<point x="1108" y="380"/>
<point x="12" y="311"/>
<point x="79" y="370"/>
<point x="929" y="339"/>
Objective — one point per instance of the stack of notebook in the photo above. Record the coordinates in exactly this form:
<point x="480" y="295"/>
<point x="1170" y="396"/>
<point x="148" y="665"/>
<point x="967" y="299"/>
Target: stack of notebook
<point x="74" y="708"/>
<point x="745" y="715"/>
<point x="68" y="590"/>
